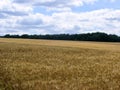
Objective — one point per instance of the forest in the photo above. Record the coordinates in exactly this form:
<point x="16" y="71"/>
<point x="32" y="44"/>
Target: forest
<point x="97" y="36"/>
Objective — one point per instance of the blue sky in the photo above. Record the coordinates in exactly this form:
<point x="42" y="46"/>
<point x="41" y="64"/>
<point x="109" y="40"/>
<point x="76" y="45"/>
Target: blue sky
<point x="100" y="4"/>
<point x="59" y="16"/>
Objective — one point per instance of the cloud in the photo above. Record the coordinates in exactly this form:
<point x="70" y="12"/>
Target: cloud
<point x="104" y="20"/>
<point x="19" y="17"/>
<point x="89" y="21"/>
<point x="7" y="7"/>
<point x="2" y="16"/>
<point x="113" y="1"/>
<point x="55" y="3"/>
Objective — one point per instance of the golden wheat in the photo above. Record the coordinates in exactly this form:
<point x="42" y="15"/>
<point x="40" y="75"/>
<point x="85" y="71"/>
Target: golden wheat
<point x="59" y="65"/>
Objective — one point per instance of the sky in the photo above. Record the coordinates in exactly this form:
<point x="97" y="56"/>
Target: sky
<point x="59" y="16"/>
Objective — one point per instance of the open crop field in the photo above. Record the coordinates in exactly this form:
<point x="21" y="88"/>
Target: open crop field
<point x="59" y="65"/>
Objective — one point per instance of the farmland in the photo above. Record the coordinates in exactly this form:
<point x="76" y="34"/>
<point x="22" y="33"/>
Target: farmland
<point x="59" y="65"/>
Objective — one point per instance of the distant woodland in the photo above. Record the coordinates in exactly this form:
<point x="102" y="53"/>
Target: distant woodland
<point x="97" y="36"/>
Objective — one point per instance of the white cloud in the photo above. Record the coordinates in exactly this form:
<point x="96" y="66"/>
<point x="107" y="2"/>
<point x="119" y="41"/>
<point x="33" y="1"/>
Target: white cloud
<point x="18" y="17"/>
<point x="55" y="3"/>
<point x="7" y="7"/>
<point x="113" y="1"/>
<point x="98" y="20"/>
<point x="104" y="20"/>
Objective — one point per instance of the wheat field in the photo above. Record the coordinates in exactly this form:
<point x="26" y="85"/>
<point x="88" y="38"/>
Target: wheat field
<point x="59" y="65"/>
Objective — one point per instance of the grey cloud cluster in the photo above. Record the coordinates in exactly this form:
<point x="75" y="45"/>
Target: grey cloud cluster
<point x="7" y="7"/>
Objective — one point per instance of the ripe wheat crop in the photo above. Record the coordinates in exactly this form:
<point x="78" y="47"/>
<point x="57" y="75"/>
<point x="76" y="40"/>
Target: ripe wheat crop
<point x="59" y="65"/>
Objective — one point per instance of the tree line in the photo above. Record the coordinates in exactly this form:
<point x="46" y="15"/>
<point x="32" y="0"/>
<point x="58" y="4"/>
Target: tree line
<point x="97" y="36"/>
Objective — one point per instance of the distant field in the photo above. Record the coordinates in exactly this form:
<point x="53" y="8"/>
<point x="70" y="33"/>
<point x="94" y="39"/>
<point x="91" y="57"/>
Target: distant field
<point x="59" y="65"/>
